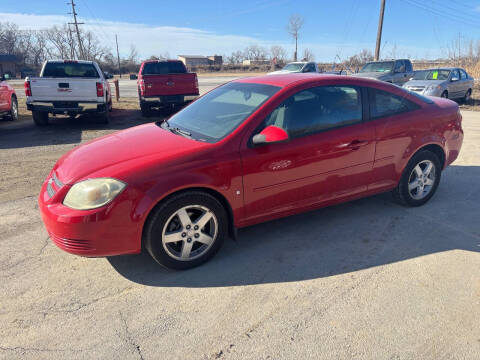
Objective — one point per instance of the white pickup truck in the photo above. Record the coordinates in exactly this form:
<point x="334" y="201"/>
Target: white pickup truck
<point x="68" y="87"/>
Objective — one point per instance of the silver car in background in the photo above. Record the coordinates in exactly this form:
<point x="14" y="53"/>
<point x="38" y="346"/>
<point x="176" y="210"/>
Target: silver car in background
<point x="451" y="83"/>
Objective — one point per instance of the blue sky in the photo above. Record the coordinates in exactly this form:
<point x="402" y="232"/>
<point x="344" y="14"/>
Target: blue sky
<point x="414" y="28"/>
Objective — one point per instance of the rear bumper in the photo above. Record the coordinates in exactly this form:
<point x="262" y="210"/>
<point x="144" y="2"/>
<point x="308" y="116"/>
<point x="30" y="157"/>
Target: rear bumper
<point x="75" y="108"/>
<point x="164" y="100"/>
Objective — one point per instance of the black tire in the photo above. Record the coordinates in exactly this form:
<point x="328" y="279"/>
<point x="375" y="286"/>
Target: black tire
<point x="467" y="96"/>
<point x="40" y="118"/>
<point x="402" y="194"/>
<point x="145" y="109"/>
<point x="444" y="94"/>
<point x="104" y="117"/>
<point x="13" y="113"/>
<point x="153" y="231"/>
<point x="110" y="106"/>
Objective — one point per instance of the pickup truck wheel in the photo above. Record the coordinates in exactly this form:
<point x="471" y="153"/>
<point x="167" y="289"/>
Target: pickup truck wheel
<point x="419" y="180"/>
<point x="145" y="109"/>
<point x="186" y="230"/>
<point x="445" y="94"/>
<point x="104" y="117"/>
<point x="40" y="118"/>
<point x="13" y="113"/>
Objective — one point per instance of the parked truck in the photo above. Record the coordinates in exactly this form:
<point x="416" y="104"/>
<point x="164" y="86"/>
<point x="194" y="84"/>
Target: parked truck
<point x="165" y="83"/>
<point x="68" y="87"/>
<point x="397" y="72"/>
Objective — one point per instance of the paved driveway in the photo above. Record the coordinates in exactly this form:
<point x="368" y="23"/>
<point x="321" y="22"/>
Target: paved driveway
<point x="364" y="280"/>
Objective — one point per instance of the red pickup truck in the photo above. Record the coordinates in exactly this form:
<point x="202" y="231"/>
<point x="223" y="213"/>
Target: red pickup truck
<point x="165" y="83"/>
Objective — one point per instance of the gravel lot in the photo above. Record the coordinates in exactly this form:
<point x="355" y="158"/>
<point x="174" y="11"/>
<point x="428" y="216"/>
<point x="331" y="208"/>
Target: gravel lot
<point x="363" y="280"/>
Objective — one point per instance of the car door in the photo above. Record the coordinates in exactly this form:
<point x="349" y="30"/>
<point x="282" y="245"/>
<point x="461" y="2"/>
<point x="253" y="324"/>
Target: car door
<point x="394" y="117"/>
<point x="329" y="154"/>
<point x="455" y="85"/>
<point x="399" y="76"/>
<point x="464" y="83"/>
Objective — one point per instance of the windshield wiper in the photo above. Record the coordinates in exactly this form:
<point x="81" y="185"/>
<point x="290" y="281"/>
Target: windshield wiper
<point x="179" y="131"/>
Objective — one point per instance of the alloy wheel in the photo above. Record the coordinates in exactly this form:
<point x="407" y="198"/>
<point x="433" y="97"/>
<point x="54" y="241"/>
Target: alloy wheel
<point x="189" y="232"/>
<point x="421" y="180"/>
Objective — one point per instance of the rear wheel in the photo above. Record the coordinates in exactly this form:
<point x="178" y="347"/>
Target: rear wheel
<point x="104" y="117"/>
<point x="40" y="118"/>
<point x="419" y="180"/>
<point x="445" y="94"/>
<point x="13" y="113"/>
<point x="467" y="96"/>
<point x="145" y="109"/>
<point x="186" y="230"/>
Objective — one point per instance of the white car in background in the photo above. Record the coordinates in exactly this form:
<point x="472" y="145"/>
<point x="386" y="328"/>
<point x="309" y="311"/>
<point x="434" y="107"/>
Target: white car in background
<point x="297" y="67"/>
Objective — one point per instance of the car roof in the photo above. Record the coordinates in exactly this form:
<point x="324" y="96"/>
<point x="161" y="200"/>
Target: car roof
<point x="283" y="80"/>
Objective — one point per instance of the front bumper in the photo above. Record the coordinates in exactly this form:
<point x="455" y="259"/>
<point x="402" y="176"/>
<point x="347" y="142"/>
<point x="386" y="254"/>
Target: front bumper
<point x="113" y="229"/>
<point x="67" y="108"/>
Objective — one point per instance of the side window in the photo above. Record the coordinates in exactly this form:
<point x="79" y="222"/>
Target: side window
<point x="463" y="74"/>
<point x="408" y="66"/>
<point x="455" y="74"/>
<point x="384" y="104"/>
<point x="318" y="109"/>
<point x="399" y="66"/>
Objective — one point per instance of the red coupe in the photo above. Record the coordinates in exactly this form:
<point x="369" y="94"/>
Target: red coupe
<point x="249" y="151"/>
<point x="8" y="99"/>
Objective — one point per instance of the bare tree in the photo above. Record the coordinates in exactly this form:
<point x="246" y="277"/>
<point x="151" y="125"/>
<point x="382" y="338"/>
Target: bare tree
<point x="295" y="24"/>
<point x="278" y="53"/>
<point x="236" y="57"/>
<point x="356" y="61"/>
<point x="255" y="52"/>
<point x="308" y="55"/>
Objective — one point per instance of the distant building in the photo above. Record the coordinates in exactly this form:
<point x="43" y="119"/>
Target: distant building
<point x="195" y="60"/>
<point x="8" y="64"/>
<point x="256" y="62"/>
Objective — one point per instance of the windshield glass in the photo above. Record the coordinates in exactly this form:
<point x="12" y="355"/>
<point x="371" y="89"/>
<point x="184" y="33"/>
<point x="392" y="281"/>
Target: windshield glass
<point x="293" y="67"/>
<point x="164" y="67"/>
<point x="434" y="75"/>
<point x="70" y="69"/>
<point x="218" y="113"/>
<point x="382" y="66"/>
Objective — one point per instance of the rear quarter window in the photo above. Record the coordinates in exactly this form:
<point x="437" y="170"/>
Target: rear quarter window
<point x="384" y="103"/>
<point x="164" y="67"/>
<point x="70" y="70"/>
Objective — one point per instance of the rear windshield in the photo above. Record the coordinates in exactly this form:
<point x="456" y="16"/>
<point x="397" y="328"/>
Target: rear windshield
<point x="163" y="67"/>
<point x="70" y="70"/>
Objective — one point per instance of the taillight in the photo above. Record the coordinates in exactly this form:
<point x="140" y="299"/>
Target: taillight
<point x="28" y="89"/>
<point x="196" y="81"/>
<point x="99" y="89"/>
<point x="142" y="86"/>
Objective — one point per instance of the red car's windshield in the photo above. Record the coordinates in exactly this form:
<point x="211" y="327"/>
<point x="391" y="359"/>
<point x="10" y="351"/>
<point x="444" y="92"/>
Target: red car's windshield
<point x="218" y="113"/>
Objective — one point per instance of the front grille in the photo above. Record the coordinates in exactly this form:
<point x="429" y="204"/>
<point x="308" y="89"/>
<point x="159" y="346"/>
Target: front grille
<point x="417" y="88"/>
<point x="53" y="185"/>
<point x="71" y="244"/>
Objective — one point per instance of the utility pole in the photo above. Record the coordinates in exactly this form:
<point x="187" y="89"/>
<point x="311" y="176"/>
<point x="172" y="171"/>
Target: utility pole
<point x="379" y="32"/>
<point x="118" y="57"/>
<point x="76" y="23"/>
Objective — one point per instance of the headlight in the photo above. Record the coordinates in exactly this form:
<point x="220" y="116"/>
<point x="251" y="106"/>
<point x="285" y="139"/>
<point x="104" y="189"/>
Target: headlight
<point x="93" y="193"/>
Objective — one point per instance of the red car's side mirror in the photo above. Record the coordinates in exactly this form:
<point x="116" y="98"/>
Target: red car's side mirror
<point x="271" y="134"/>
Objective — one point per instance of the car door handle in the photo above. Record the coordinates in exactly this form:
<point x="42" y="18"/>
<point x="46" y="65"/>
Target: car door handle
<point x="354" y="144"/>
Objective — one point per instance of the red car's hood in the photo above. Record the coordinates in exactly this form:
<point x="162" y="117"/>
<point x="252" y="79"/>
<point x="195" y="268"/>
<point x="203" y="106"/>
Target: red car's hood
<point x="138" y="143"/>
